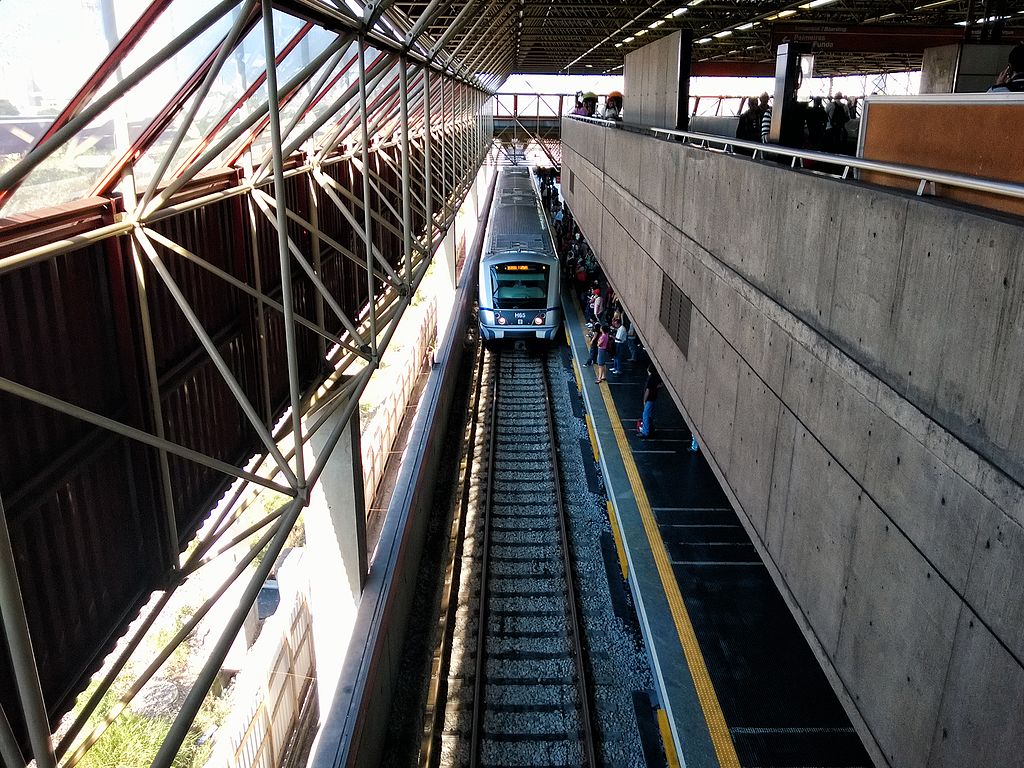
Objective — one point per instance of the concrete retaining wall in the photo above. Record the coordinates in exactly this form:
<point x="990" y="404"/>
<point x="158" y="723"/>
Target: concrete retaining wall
<point x="854" y="372"/>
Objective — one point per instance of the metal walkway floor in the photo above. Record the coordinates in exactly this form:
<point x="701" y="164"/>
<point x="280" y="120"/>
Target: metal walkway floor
<point x="736" y="678"/>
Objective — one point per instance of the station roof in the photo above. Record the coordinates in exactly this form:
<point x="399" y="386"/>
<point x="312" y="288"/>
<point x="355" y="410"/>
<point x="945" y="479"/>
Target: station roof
<point x="593" y="36"/>
<point x="89" y="89"/>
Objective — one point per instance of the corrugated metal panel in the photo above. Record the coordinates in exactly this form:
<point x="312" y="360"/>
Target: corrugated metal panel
<point x="82" y="504"/>
<point x="85" y="506"/>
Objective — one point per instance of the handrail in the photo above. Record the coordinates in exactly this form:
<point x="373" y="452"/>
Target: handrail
<point x="924" y="176"/>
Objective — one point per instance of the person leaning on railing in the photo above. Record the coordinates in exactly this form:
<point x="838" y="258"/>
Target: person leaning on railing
<point x="612" y="106"/>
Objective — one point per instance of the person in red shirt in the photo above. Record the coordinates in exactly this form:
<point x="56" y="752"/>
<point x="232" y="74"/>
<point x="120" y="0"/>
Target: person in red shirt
<point x="601" y="367"/>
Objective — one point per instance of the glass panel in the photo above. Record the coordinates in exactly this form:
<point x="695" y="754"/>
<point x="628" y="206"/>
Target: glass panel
<point x="352" y="76"/>
<point x="72" y="171"/>
<point x="243" y="68"/>
<point x="520" y="286"/>
<point x="312" y="45"/>
<point x="36" y="82"/>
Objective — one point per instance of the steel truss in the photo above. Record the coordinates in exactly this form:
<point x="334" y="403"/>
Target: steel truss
<point x="413" y="110"/>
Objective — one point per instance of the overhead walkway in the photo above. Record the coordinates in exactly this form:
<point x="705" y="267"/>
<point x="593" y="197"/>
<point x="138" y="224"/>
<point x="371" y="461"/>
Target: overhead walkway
<point x="849" y="358"/>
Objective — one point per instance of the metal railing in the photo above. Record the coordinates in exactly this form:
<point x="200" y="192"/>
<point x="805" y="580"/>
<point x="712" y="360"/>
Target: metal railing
<point x="925" y="177"/>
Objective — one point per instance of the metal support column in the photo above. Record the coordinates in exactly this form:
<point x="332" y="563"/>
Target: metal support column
<point x="287" y="298"/>
<point x="19" y="643"/>
<point x="367" y="224"/>
<point x="428" y="160"/>
<point x="403" y="90"/>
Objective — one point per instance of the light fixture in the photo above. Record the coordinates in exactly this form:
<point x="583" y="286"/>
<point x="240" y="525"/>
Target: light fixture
<point x="816" y="4"/>
<point x="618" y="45"/>
<point x="744" y="27"/>
<point x="694" y="2"/>
<point x="629" y="39"/>
<point x="704" y="40"/>
<point x="936" y="4"/>
<point x="723" y="33"/>
<point x="641" y="32"/>
<point x="680" y="11"/>
<point x="786" y="13"/>
<point x="655" y="24"/>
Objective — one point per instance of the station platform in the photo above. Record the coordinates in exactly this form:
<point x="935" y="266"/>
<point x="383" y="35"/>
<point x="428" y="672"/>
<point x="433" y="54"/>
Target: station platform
<point x="738" y="684"/>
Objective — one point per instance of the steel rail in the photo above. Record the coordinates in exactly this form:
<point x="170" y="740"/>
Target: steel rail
<point x="438" y="686"/>
<point x="477" y="723"/>
<point x="575" y="614"/>
<point x="923" y="176"/>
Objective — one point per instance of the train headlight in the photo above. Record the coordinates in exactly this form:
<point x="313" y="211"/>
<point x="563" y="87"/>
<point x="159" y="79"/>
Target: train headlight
<point x="501" y="320"/>
<point x="538" y="320"/>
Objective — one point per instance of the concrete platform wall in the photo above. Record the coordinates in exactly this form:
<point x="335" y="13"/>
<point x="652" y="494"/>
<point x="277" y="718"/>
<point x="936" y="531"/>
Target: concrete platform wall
<point x="854" y="372"/>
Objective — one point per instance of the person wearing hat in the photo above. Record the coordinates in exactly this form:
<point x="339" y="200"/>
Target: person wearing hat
<point x="1011" y="79"/>
<point x="586" y="104"/>
<point x="613" y="106"/>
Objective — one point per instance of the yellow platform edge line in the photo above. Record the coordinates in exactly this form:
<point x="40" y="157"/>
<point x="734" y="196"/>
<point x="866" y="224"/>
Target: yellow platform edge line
<point x="666" y="738"/>
<point x="617" y="535"/>
<point x="720" y="737"/>
<point x="593" y="437"/>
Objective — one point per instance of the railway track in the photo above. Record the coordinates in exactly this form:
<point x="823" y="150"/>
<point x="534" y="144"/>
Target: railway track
<point x="519" y="695"/>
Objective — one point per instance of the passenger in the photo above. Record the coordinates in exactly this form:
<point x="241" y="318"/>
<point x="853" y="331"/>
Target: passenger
<point x="597" y="306"/>
<point x="620" y="344"/>
<point x="592" y="339"/>
<point x="613" y="106"/>
<point x="589" y="104"/>
<point x="651" y="387"/>
<point x="1011" y="79"/>
<point x="749" y="126"/>
<point x="601" y="366"/>
<point x="580" y="108"/>
<point x="632" y="342"/>
<point x="766" y="117"/>
<point x="838" y="117"/>
<point x="817" y="122"/>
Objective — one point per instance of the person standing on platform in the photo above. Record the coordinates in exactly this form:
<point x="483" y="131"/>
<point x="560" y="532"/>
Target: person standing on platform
<point x="632" y="343"/>
<point x="651" y="387"/>
<point x="613" y="106"/>
<point x="601" y="366"/>
<point x="766" y="117"/>
<point x="620" y="344"/>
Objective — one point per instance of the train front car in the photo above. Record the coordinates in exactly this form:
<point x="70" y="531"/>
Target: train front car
<point x="519" y="272"/>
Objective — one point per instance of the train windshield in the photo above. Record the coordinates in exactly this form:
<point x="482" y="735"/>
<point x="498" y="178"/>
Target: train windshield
<point x="520" y="286"/>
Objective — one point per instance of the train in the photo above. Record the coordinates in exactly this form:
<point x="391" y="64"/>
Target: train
<point x="519" y="279"/>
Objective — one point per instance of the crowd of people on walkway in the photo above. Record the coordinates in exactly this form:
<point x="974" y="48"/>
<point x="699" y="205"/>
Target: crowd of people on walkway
<point x="586" y="105"/>
<point x="823" y="124"/>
